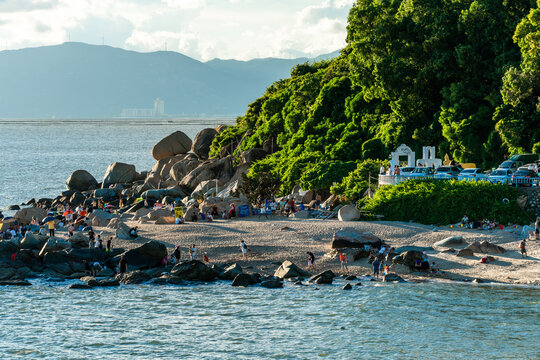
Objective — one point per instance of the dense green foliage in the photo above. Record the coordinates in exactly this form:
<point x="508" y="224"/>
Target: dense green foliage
<point x="260" y="187"/>
<point x="462" y="75"/>
<point x="354" y="185"/>
<point x="445" y="202"/>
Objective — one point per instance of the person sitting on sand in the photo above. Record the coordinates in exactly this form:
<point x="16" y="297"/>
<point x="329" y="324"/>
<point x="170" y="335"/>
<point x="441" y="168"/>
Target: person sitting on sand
<point x="232" y="212"/>
<point x="244" y="248"/>
<point x="133" y="233"/>
<point x="311" y="259"/>
<point x="522" y="247"/>
<point x="465" y="220"/>
<point x="178" y="220"/>
<point x="425" y="261"/>
<point x="435" y="269"/>
<point x="214" y="211"/>
<point x="343" y="260"/>
<point x="205" y="258"/>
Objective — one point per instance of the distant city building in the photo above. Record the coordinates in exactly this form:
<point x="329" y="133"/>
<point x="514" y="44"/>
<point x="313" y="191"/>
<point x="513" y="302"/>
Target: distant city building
<point x="157" y="111"/>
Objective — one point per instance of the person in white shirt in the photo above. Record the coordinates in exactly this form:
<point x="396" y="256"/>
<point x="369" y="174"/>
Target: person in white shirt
<point x="382" y="170"/>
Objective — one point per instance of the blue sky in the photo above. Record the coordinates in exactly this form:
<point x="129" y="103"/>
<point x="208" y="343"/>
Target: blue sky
<point x="202" y="29"/>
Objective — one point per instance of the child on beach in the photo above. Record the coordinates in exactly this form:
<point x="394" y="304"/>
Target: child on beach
<point x="192" y="251"/>
<point x="523" y="249"/>
<point x="311" y="259"/>
<point x="205" y="258"/>
<point x="244" y="248"/>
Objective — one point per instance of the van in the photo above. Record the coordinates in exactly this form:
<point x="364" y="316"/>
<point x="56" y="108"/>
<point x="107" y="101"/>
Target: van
<point x="524" y="158"/>
<point x="510" y="165"/>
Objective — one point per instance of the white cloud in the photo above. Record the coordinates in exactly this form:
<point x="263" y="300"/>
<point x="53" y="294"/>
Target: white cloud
<point x="203" y="29"/>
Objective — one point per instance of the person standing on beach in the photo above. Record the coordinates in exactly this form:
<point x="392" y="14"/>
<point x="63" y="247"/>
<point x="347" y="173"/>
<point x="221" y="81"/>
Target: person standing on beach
<point x="176" y="253"/>
<point x="192" y="251"/>
<point x="343" y="260"/>
<point x="109" y="245"/>
<point x="537" y="229"/>
<point x="522" y="247"/>
<point x="310" y="260"/>
<point x="51" y="227"/>
<point x="376" y="265"/>
<point x="244" y="248"/>
<point x="122" y="265"/>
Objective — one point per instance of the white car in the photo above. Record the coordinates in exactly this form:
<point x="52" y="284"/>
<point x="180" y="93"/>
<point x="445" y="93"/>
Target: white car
<point x="472" y="175"/>
<point x="500" y="176"/>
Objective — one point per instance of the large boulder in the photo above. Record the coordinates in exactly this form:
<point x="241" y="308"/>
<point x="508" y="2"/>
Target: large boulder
<point x="408" y="259"/>
<point x="323" y="278"/>
<point x="122" y="231"/>
<point x="173" y="144"/>
<point x="486" y="247"/>
<point x="272" y="284"/>
<point x="202" y="142"/>
<point x="289" y="270"/>
<point x="119" y="172"/>
<point x="25" y="215"/>
<point x="465" y="253"/>
<point x="147" y="255"/>
<point x="194" y="270"/>
<point x="348" y="213"/>
<point x="180" y="169"/>
<point x="106" y="194"/>
<point x="81" y="180"/>
<point x="393" y="278"/>
<point x="159" y="175"/>
<point x="158" y="214"/>
<point x="7" y="248"/>
<point x="78" y="240"/>
<point x="135" y="277"/>
<point x="231" y="272"/>
<point x="99" y="221"/>
<point x="244" y="280"/>
<point x="450" y="241"/>
<point x="352" y="238"/>
<point x="54" y="244"/>
<point x="30" y="242"/>
<point x="252" y="155"/>
<point x="220" y="169"/>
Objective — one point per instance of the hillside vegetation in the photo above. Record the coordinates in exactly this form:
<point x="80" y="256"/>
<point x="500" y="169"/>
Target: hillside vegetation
<point x="463" y="75"/>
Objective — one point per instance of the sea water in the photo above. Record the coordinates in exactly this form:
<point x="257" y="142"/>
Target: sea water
<point x="38" y="156"/>
<point x="217" y="321"/>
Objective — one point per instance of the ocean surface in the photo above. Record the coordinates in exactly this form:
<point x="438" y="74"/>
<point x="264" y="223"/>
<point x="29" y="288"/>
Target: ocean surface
<point x="217" y="321"/>
<point x="38" y="156"/>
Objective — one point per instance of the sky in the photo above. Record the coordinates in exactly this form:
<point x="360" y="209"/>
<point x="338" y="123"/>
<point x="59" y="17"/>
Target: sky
<point x="202" y="29"/>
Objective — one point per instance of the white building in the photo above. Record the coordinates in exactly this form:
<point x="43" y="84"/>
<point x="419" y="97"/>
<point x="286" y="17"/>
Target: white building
<point x="157" y="111"/>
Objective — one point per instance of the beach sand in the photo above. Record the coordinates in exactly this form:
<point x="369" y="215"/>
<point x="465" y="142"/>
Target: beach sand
<point x="276" y="239"/>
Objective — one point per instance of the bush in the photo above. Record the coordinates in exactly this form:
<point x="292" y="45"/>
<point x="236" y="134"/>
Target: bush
<point x="445" y="202"/>
<point x="353" y="186"/>
<point x="324" y="174"/>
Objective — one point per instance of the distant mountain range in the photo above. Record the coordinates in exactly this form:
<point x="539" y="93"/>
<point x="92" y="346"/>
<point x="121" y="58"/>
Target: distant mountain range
<point x="76" y="80"/>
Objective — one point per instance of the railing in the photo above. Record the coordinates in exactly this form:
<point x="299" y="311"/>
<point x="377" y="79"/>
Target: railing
<point x="398" y="179"/>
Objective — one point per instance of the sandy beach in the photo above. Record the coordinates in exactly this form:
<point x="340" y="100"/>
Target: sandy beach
<point x="276" y="239"/>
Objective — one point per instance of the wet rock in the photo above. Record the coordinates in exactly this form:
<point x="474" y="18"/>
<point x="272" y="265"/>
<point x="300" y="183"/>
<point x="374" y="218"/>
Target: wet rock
<point x="194" y="271"/>
<point x="408" y="259"/>
<point x="14" y="283"/>
<point x="110" y="282"/>
<point x="231" y="272"/>
<point x="347" y="287"/>
<point x="81" y="180"/>
<point x="326" y="277"/>
<point x="147" y="255"/>
<point x="273" y="284"/>
<point x="350" y="278"/>
<point x="90" y="281"/>
<point x="393" y="278"/>
<point x="289" y="270"/>
<point x="79" y="286"/>
<point x="134" y="277"/>
<point x="54" y="244"/>
<point x="13" y="207"/>
<point x="243" y="280"/>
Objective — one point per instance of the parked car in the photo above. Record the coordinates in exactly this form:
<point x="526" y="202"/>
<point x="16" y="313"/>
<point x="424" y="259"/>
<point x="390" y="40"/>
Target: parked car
<point x="447" y="172"/>
<point x="406" y="171"/>
<point x="422" y="172"/>
<point x="472" y="174"/>
<point x="524" y="178"/>
<point x="500" y="176"/>
<point x="511" y="165"/>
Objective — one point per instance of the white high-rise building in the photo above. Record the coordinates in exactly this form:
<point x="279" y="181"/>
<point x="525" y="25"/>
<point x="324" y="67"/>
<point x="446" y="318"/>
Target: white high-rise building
<point x="159" y="107"/>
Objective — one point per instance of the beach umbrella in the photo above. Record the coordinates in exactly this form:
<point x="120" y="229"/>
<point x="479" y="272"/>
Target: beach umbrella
<point x="47" y="219"/>
<point x="82" y="213"/>
<point x="109" y="207"/>
<point x="67" y="212"/>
